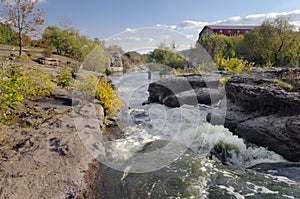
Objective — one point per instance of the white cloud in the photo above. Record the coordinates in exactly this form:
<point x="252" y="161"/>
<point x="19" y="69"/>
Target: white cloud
<point x="189" y="24"/>
<point x="144" y="39"/>
<point x="129" y="30"/>
<point x="166" y="26"/>
<point x="273" y="15"/>
<point x="235" y="18"/>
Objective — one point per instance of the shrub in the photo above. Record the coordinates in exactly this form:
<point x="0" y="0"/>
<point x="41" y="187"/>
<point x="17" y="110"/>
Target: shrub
<point x="234" y="66"/>
<point x="107" y="97"/>
<point x="38" y="84"/>
<point x="16" y="85"/>
<point x="64" y="79"/>
<point x="12" y="85"/>
<point x="47" y="52"/>
<point x="223" y="81"/>
<point x="87" y="86"/>
<point x="90" y="88"/>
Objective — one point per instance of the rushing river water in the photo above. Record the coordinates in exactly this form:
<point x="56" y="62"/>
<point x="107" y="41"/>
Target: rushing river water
<point x="168" y="153"/>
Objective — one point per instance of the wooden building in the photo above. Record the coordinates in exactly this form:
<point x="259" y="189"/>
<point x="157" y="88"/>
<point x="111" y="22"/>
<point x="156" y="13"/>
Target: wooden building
<point x="228" y="30"/>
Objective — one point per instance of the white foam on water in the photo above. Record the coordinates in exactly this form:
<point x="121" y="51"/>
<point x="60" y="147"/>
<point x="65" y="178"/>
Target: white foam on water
<point x="260" y="189"/>
<point x="283" y="179"/>
<point x="290" y="197"/>
<point x="210" y="135"/>
<point x="230" y="190"/>
<point x="187" y="126"/>
<point x="123" y="149"/>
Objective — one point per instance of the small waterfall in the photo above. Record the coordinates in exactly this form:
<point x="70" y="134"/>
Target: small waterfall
<point x="174" y="153"/>
<point x="185" y="125"/>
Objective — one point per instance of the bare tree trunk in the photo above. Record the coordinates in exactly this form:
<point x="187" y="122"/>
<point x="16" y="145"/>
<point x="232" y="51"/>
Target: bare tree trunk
<point x="20" y="44"/>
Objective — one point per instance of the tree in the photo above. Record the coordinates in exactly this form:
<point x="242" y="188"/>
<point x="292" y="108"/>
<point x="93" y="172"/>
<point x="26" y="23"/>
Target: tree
<point x="168" y="58"/>
<point x="274" y="43"/>
<point x="277" y="37"/>
<point x="69" y="42"/>
<point x="24" y="17"/>
<point x="52" y="36"/>
<point x="6" y="33"/>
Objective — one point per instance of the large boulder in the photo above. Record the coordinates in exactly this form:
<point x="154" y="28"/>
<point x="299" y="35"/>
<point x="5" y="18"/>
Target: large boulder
<point x="194" y="97"/>
<point x="190" y="89"/>
<point x="277" y="133"/>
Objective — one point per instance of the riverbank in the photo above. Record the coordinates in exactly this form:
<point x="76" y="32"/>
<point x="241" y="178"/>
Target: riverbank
<point x="42" y="156"/>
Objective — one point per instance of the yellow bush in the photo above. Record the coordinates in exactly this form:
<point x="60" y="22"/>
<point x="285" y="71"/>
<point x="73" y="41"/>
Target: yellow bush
<point x="235" y="66"/>
<point x="38" y="83"/>
<point x="91" y="87"/>
<point x="223" y="81"/>
<point x="64" y="79"/>
<point x="107" y="97"/>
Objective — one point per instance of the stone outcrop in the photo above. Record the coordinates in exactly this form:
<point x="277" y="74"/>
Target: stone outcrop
<point x="193" y="89"/>
<point x="262" y="112"/>
<point x="48" y="61"/>
<point x="257" y="108"/>
<point x="116" y="64"/>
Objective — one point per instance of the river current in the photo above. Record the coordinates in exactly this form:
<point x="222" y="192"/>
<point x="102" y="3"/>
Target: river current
<point x="171" y="153"/>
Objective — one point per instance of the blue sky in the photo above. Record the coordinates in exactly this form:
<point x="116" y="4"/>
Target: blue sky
<point x="104" y="18"/>
<point x="142" y="25"/>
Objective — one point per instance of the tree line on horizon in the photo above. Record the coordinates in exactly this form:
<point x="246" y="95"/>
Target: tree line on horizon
<point x="274" y="43"/>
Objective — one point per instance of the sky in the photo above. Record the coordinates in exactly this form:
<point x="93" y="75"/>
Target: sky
<point x="107" y="18"/>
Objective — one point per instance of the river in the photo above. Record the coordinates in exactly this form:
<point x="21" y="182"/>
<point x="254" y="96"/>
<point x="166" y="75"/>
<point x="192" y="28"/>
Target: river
<point x="174" y="153"/>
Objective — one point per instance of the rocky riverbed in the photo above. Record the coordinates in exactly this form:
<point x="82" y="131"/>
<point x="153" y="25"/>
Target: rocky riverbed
<point x="252" y="106"/>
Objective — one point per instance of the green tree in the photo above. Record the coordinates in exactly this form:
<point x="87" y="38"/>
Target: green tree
<point x="219" y="46"/>
<point x="69" y="42"/>
<point x="24" y="16"/>
<point x="273" y="43"/>
<point x="53" y="36"/>
<point x="6" y="33"/>
<point x="167" y="57"/>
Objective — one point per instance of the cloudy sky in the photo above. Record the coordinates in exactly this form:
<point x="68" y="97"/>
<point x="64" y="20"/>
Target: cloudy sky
<point x="107" y="18"/>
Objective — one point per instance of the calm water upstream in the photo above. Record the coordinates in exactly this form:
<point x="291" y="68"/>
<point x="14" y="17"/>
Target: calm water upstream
<point x="165" y="153"/>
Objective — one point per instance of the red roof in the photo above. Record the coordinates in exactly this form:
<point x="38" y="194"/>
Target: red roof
<point x="240" y="27"/>
<point x="226" y="29"/>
